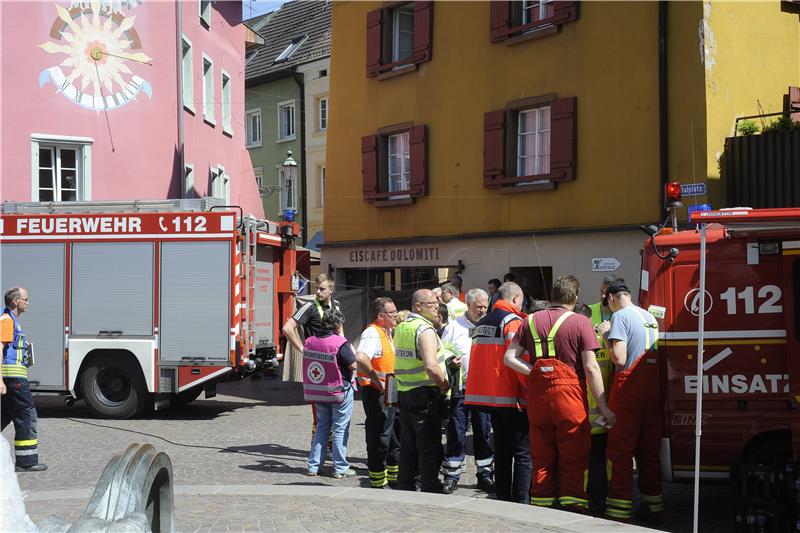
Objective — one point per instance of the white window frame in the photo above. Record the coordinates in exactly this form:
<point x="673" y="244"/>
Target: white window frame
<point x="322" y="123"/>
<point x="187" y="74"/>
<point x="293" y="134"/>
<point x="285" y="201"/>
<point x="295" y="43"/>
<point x="204" y="12"/>
<point x="259" y="174"/>
<point x="529" y="6"/>
<point x="321" y="174"/>
<point x="405" y="10"/>
<point x="220" y="184"/>
<point x="188" y="180"/>
<point x="248" y="115"/>
<point x="227" y="122"/>
<point x="208" y="91"/>
<point x="83" y="160"/>
<point x="539" y="132"/>
<point x="405" y="163"/>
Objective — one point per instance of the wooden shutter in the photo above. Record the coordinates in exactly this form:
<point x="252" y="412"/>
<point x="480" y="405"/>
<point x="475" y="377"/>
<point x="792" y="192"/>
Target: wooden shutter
<point x="499" y="20"/>
<point x="423" y="31"/>
<point x="418" y="144"/>
<point x="563" y="139"/>
<point x="369" y="166"/>
<point x="564" y="12"/>
<point x="374" y="42"/>
<point x="494" y="126"/>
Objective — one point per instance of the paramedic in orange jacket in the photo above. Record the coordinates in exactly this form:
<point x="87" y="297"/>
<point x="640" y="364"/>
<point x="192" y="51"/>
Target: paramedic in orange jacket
<point x="494" y="388"/>
<point x="562" y="345"/>
<point x="635" y="398"/>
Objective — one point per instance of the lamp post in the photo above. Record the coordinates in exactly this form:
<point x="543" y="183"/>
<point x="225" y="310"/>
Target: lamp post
<point x="290" y="176"/>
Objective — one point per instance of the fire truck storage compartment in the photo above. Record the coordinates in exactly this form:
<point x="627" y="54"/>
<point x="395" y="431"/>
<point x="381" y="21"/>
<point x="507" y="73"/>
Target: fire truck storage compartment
<point x="195" y="302"/>
<point x="112" y="289"/>
<point x="40" y="269"/>
<point x="264" y="297"/>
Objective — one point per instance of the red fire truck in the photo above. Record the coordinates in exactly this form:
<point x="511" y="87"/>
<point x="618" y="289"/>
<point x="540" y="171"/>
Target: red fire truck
<point x="749" y="379"/>
<point x="146" y="303"/>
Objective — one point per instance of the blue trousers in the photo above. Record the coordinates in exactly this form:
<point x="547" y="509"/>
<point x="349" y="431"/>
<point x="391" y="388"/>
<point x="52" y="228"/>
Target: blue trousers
<point x="455" y="452"/>
<point x="17" y="406"/>
<point x="336" y="415"/>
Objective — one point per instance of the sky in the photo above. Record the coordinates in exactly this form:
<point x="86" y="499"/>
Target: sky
<point x="253" y="8"/>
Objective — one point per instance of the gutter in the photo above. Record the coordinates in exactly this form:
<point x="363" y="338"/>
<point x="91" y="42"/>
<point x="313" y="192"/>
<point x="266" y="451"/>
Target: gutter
<point x="181" y="155"/>
<point x="663" y="118"/>
<point x="298" y="79"/>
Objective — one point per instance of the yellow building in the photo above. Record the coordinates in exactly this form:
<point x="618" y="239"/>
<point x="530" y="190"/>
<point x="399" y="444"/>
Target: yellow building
<point x="533" y="137"/>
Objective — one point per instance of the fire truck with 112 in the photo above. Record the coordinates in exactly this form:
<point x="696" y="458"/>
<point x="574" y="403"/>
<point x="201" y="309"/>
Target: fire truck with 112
<point x="149" y="302"/>
<point x="745" y="391"/>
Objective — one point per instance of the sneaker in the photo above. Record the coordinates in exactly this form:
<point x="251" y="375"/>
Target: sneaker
<point x="486" y="484"/>
<point x="450" y="485"/>
<point x="39" y="467"/>
<point x="348" y="473"/>
<point x="310" y="473"/>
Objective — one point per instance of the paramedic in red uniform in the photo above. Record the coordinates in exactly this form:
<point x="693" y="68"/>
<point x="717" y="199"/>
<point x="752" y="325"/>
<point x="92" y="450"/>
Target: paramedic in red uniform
<point x="561" y="345"/>
<point x="635" y="399"/>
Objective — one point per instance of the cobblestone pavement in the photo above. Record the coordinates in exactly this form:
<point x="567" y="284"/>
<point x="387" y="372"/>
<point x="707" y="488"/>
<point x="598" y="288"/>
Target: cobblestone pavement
<point x="257" y="433"/>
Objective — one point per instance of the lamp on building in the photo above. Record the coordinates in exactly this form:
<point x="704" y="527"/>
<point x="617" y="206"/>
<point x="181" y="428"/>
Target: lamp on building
<point x="290" y="176"/>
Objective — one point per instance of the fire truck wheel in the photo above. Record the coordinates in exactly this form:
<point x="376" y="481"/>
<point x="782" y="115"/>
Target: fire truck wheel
<point x="113" y="388"/>
<point x="188" y="396"/>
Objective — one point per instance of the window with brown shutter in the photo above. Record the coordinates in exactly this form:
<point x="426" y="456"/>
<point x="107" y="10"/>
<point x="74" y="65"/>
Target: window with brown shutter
<point x="791" y="103"/>
<point x="399" y="38"/>
<point x="517" y="21"/>
<point x="531" y="143"/>
<point x="395" y="164"/>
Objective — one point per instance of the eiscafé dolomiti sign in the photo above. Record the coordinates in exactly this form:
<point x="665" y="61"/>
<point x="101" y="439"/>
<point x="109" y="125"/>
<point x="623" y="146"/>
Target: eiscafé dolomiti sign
<point x="400" y="255"/>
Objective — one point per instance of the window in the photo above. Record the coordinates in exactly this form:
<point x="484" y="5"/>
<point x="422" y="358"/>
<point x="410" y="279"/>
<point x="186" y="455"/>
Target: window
<point x="291" y="49"/>
<point x="531" y="142"/>
<point x="259" y="173"/>
<point x="220" y="184"/>
<point x="61" y="168"/>
<point x="515" y="21"/>
<point x="286" y="121"/>
<point x="188" y="181"/>
<point x="323" y="113"/>
<point x="399" y="38"/>
<point x="288" y="190"/>
<point x="394" y="163"/>
<point x="402" y="32"/>
<point x="322" y="186"/>
<point x="205" y="13"/>
<point x="208" y="90"/>
<point x="253" y="120"/>
<point x="227" y="127"/>
<point x="323" y="73"/>
<point x="187" y="74"/>
<point x="399" y="162"/>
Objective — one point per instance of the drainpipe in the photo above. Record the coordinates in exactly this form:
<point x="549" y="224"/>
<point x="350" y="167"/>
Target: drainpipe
<point x="663" y="122"/>
<point x="181" y="155"/>
<point x="298" y="79"/>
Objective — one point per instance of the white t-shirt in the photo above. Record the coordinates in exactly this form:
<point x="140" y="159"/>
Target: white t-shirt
<point x="458" y="332"/>
<point x="370" y="342"/>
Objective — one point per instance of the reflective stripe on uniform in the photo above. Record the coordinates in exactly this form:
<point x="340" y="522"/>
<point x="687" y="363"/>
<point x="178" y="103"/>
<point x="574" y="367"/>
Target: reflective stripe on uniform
<point x="551" y="336"/>
<point x="542" y="502"/>
<point x="492" y="400"/>
<point x="26" y="452"/>
<point x="31" y="442"/>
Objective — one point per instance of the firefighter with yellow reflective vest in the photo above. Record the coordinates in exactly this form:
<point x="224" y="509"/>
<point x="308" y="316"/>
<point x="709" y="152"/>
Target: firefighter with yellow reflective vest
<point x="561" y="345"/>
<point x="419" y="368"/>
<point x="17" y="403"/>
<point x="375" y="358"/>
<point x="598" y="476"/>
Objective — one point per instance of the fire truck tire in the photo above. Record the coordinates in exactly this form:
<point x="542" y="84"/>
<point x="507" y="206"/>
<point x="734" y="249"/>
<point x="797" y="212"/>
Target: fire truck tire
<point x="188" y="396"/>
<point x="113" y="388"/>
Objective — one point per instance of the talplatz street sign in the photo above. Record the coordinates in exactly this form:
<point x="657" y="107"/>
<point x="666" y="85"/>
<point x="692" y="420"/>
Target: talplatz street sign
<point x="693" y="189"/>
<point x="605" y="264"/>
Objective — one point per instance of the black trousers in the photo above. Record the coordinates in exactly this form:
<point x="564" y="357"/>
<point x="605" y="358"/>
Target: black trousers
<point x="512" y="455"/>
<point x="17" y="406"/>
<point x="383" y="448"/>
<point x="597" y="487"/>
<point x="421" y="453"/>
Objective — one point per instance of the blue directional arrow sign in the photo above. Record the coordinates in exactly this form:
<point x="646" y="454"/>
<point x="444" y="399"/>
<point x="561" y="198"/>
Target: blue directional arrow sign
<point x="693" y="189"/>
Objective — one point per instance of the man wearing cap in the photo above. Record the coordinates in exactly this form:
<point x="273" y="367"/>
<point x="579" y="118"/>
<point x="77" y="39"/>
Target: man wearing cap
<point x="633" y="338"/>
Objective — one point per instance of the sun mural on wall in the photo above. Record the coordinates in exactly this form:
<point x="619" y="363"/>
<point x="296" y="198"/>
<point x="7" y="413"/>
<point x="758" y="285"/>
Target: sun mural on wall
<point x="101" y="47"/>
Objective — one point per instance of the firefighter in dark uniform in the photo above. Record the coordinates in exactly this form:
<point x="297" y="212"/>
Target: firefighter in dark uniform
<point x="17" y="403"/>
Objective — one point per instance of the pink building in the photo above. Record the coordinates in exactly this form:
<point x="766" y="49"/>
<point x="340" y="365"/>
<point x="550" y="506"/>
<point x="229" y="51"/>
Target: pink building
<point x="124" y="100"/>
